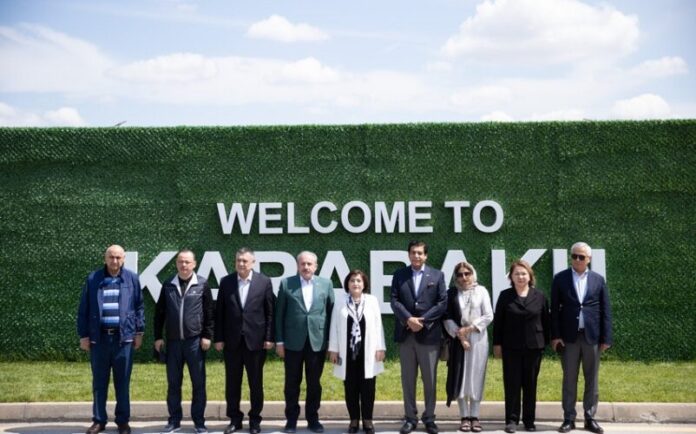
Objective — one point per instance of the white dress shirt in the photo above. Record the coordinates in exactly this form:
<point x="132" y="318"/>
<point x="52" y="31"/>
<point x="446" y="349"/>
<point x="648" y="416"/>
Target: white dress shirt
<point x="580" y="283"/>
<point x="307" y="292"/>
<point x="243" y="285"/>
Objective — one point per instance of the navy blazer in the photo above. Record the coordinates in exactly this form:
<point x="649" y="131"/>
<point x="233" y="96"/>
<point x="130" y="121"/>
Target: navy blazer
<point x="431" y="304"/>
<point x="565" y="309"/>
<point x="254" y="322"/>
<point x="131" y="307"/>
<point x="518" y="324"/>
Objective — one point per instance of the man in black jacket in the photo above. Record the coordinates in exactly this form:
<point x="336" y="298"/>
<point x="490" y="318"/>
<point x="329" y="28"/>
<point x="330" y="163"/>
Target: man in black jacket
<point x="185" y="310"/>
<point x="244" y="330"/>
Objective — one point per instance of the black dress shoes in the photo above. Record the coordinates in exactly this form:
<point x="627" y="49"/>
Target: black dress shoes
<point x="95" y="428"/>
<point x="315" y="427"/>
<point x="254" y="428"/>
<point x="368" y="427"/>
<point x="529" y="426"/>
<point x="353" y="427"/>
<point x="431" y="428"/>
<point x="510" y="427"/>
<point x="566" y="426"/>
<point x="407" y="427"/>
<point x="124" y="428"/>
<point x="233" y="427"/>
<point x="290" y="428"/>
<point x="592" y="426"/>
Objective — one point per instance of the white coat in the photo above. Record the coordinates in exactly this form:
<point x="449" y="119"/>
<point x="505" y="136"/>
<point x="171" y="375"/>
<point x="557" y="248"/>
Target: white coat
<point x="373" y="339"/>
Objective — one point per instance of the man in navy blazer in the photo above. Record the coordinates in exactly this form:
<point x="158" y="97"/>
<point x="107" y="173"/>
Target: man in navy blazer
<point x="419" y="300"/>
<point x="581" y="331"/>
<point x="244" y="330"/>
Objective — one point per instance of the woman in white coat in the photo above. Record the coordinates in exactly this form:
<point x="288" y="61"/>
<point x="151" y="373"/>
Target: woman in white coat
<point x="357" y="349"/>
<point x="469" y="313"/>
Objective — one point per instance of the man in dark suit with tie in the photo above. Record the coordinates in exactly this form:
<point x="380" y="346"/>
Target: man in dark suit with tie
<point x="244" y="330"/>
<point x="303" y="315"/>
<point x="419" y="300"/>
<point x="581" y="330"/>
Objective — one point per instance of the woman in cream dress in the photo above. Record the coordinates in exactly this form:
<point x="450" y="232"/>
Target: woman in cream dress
<point x="469" y="312"/>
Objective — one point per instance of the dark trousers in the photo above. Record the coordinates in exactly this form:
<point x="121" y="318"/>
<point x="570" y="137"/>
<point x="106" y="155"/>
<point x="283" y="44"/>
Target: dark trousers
<point x="189" y="352"/>
<point x="359" y="391"/>
<point x="520" y="373"/>
<point x="236" y="360"/>
<point x="313" y="362"/>
<point x="106" y="356"/>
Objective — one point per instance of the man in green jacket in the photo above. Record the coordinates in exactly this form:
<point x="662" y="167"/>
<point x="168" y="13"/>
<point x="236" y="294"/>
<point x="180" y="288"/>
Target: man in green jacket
<point x="303" y="314"/>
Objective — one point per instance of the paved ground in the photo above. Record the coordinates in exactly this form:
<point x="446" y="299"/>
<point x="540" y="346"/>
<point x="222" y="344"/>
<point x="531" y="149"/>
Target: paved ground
<point x="338" y="427"/>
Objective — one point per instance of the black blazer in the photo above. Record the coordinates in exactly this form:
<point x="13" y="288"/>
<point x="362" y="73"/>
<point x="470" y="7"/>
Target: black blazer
<point x="254" y="322"/>
<point x="521" y="325"/>
<point x="565" y="309"/>
<point x="430" y="304"/>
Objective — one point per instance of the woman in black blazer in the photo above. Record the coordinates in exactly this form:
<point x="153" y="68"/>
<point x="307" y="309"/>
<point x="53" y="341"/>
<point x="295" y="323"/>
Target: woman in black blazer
<point x="520" y="333"/>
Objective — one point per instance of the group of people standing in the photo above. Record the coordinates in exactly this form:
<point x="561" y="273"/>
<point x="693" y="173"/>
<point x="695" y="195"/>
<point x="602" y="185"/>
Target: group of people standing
<point x="306" y="324"/>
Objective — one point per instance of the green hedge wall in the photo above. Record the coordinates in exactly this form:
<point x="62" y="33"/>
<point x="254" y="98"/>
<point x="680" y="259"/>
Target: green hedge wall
<point x="626" y="187"/>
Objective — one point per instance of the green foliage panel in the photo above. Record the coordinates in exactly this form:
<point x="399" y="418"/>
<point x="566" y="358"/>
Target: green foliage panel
<point x="626" y="187"/>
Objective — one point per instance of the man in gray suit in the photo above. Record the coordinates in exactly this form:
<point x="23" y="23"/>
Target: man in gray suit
<point x="581" y="331"/>
<point x="419" y="300"/>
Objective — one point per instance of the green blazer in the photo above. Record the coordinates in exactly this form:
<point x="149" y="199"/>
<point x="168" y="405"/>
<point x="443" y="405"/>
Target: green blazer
<point x="292" y="321"/>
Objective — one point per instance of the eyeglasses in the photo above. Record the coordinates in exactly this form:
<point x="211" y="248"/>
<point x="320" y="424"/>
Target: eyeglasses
<point x="466" y="273"/>
<point x="578" y="257"/>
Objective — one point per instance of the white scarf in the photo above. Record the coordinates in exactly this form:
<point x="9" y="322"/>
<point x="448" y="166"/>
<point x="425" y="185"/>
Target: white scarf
<point x="355" y="310"/>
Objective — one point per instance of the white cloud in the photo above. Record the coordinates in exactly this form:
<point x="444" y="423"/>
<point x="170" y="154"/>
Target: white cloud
<point x="482" y="96"/>
<point x="308" y="70"/>
<point x="663" y="67"/>
<point x="543" y="31"/>
<point x="39" y="59"/>
<point x="64" y="116"/>
<point x="178" y="67"/>
<point x="645" y="106"/>
<point x="438" y="67"/>
<point x="278" y="28"/>
<point x="497" y="116"/>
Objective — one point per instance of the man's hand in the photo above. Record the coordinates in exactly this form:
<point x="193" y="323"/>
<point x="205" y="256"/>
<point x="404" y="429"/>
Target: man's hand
<point x="604" y="347"/>
<point x="415" y="324"/>
<point x="555" y="343"/>
<point x="497" y="351"/>
<point x="205" y="344"/>
<point x="219" y="346"/>
<point x="333" y="357"/>
<point x="84" y="344"/>
<point x="267" y="345"/>
<point x="380" y="355"/>
<point x="280" y="350"/>
<point x="138" y="341"/>
<point x="159" y="343"/>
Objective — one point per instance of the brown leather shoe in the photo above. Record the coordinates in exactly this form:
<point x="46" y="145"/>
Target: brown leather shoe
<point x="124" y="428"/>
<point x="95" y="428"/>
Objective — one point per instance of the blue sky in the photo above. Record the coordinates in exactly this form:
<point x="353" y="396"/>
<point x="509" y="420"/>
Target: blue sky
<point x="182" y="62"/>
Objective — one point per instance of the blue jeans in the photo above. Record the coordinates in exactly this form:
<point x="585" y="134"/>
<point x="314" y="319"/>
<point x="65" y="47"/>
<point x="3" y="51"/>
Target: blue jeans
<point x="107" y="355"/>
<point x="186" y="351"/>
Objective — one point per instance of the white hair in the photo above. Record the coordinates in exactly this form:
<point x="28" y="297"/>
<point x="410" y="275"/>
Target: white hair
<point x="582" y="245"/>
<point x="308" y="253"/>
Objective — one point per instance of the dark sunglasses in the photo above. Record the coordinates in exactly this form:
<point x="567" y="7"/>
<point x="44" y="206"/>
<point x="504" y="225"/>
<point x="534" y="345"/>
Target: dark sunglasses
<point x="466" y="273"/>
<point x="578" y="257"/>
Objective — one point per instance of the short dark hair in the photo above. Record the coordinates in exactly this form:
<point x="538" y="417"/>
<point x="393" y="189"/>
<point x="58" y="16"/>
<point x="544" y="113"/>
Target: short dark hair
<point x="360" y="273"/>
<point x="417" y="243"/>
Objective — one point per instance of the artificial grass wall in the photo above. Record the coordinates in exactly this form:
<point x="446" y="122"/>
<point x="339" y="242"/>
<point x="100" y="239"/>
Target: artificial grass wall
<point x="626" y="187"/>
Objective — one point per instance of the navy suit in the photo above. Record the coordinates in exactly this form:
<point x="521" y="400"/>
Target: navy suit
<point x="419" y="349"/>
<point x="581" y="345"/>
